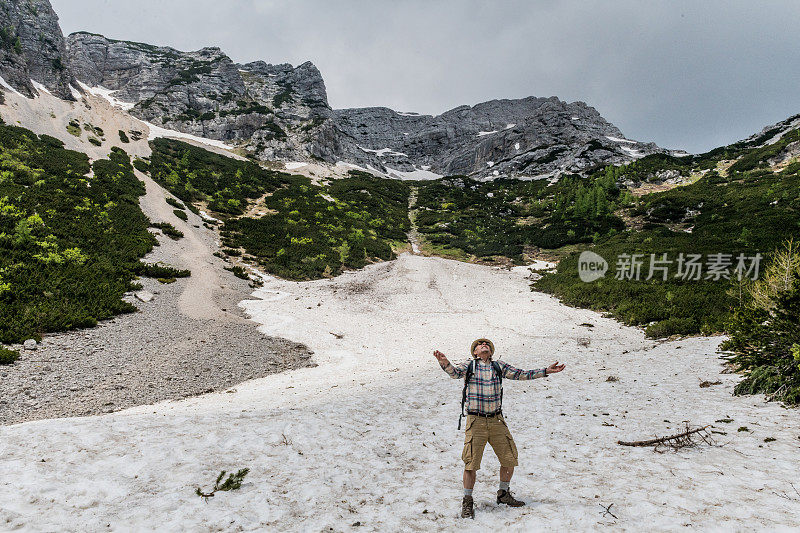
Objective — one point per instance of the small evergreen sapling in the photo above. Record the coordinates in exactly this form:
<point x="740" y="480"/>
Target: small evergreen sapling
<point x="233" y="482"/>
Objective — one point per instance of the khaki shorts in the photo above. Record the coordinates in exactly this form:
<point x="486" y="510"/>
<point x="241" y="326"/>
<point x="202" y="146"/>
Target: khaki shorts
<point x="481" y="430"/>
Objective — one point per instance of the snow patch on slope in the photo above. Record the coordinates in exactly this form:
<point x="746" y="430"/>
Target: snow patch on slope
<point x="5" y="84"/>
<point x="416" y="174"/>
<point x="107" y="94"/>
<point x="40" y="88"/>
<point x="383" y="151"/>
<point x="632" y="152"/>
<point x="618" y="140"/>
<point x="158" y="131"/>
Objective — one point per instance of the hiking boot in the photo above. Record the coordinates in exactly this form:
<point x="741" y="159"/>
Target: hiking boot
<point x="504" y="496"/>
<point x="466" y="508"/>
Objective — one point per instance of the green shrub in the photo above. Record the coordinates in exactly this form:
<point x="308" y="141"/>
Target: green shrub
<point x="315" y="231"/>
<point x="123" y="137"/>
<point x="141" y="165"/>
<point x="733" y="214"/>
<point x="238" y="271"/>
<point x="672" y="326"/>
<point x="181" y="214"/>
<point x="94" y="130"/>
<point x="503" y="216"/>
<point x="194" y="174"/>
<point x="175" y="203"/>
<point x="7" y="356"/>
<point x="158" y="270"/>
<point x="167" y="229"/>
<point x="95" y="141"/>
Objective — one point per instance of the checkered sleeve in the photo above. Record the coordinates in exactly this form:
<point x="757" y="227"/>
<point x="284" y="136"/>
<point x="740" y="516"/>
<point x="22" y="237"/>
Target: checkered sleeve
<point x="457" y="371"/>
<point x="510" y="372"/>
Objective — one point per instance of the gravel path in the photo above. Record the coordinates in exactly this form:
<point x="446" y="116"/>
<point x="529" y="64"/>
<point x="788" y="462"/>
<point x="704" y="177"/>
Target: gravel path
<point x="191" y="338"/>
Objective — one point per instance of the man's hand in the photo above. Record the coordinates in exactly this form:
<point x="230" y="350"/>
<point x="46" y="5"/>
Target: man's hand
<point x="441" y="358"/>
<point x="555" y="367"/>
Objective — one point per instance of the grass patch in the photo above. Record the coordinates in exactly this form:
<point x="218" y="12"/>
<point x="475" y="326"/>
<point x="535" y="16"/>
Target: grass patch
<point x="74" y="128"/>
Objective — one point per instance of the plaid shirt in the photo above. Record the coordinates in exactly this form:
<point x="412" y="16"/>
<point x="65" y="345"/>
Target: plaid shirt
<point x="484" y="387"/>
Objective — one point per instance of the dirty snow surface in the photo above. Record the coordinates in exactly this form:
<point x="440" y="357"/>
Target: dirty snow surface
<point x="367" y="440"/>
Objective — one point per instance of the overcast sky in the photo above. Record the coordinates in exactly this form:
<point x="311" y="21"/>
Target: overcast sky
<point x="683" y="74"/>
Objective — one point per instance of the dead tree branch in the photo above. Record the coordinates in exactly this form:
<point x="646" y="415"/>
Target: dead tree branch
<point x="684" y="439"/>
<point x="607" y="510"/>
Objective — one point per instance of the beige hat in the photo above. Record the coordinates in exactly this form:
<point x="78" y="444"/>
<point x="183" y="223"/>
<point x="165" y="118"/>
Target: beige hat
<point x="475" y="343"/>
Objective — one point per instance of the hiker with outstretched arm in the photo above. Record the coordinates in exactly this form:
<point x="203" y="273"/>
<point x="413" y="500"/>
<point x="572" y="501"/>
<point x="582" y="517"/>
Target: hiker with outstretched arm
<point x="483" y="397"/>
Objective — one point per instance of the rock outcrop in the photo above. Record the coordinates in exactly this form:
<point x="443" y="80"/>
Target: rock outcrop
<point x="32" y="48"/>
<point x="270" y="110"/>
<point x="525" y="137"/>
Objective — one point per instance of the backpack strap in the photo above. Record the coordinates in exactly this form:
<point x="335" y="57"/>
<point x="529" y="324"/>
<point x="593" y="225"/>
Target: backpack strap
<point x="467" y="377"/>
<point x="499" y="371"/>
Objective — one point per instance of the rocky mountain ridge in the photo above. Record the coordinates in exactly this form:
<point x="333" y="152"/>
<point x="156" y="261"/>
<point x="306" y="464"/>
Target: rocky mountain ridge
<point x="524" y="137"/>
<point x="282" y="112"/>
<point x="32" y="47"/>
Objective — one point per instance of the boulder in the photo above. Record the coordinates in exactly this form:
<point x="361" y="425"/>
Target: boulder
<point x="144" y="296"/>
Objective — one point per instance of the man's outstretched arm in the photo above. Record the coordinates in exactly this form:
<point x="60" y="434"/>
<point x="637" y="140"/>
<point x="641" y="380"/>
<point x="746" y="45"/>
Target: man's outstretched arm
<point x="510" y="372"/>
<point x="455" y="372"/>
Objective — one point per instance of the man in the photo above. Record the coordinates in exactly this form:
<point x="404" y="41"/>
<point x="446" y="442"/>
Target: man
<point x="483" y="394"/>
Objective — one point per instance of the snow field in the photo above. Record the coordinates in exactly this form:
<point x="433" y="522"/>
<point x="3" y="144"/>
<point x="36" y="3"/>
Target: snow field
<point x="369" y="435"/>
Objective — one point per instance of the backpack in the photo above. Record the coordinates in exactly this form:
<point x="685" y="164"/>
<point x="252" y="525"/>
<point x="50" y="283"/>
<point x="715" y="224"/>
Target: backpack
<point x="468" y="376"/>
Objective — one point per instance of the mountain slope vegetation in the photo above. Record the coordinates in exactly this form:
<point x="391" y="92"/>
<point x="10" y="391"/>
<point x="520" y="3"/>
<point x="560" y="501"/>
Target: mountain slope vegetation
<point x="286" y="224"/>
<point x="750" y="208"/>
<point x="71" y="235"/>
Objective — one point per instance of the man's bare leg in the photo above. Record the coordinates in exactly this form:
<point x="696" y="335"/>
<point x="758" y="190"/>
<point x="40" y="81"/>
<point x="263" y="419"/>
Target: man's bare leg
<point x="466" y="505"/>
<point x="469" y="478"/>
<point x="505" y="474"/>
